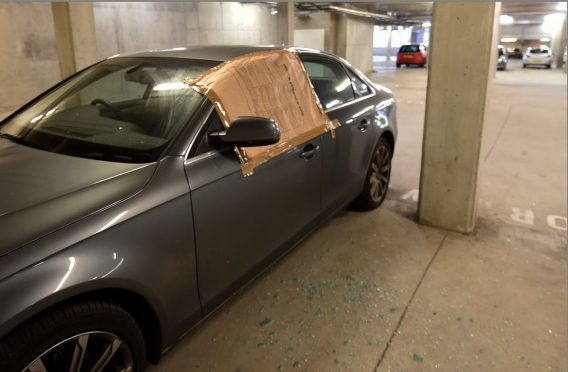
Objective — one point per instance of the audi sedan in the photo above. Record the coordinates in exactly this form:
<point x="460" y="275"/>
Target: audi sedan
<point x="126" y="216"/>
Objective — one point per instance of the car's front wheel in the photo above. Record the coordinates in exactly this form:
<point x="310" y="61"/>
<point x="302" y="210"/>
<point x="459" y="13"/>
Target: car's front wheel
<point x="84" y="336"/>
<point x="378" y="178"/>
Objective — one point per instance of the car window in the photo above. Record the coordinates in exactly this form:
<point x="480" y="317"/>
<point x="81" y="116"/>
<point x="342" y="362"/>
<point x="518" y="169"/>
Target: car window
<point x="409" y="49"/>
<point x="538" y="51"/>
<point x="213" y="124"/>
<point x="123" y="109"/>
<point x="330" y="81"/>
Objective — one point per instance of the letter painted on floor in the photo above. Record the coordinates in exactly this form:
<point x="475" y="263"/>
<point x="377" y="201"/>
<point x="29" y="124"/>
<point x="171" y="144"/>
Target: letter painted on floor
<point x="557" y="222"/>
<point x="526" y="217"/>
<point x="412" y="194"/>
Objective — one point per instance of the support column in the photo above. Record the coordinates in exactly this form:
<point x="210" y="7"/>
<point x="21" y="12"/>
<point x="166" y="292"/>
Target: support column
<point x="285" y="32"/>
<point x="75" y="36"/>
<point x="389" y="43"/>
<point x="455" y="112"/>
<point x="559" y="44"/>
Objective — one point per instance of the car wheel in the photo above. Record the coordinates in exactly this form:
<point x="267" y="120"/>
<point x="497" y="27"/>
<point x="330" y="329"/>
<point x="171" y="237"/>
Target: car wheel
<point x="377" y="180"/>
<point x="421" y="65"/>
<point x="398" y="65"/>
<point x="548" y="66"/>
<point x="84" y="336"/>
<point x="524" y="66"/>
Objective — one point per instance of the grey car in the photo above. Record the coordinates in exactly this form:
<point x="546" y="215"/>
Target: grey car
<point x="122" y="226"/>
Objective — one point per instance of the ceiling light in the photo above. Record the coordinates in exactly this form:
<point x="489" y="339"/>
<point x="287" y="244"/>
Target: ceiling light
<point x="561" y="6"/>
<point x="506" y="19"/>
<point x="426" y="24"/>
<point x="508" y="39"/>
<point x="545" y="39"/>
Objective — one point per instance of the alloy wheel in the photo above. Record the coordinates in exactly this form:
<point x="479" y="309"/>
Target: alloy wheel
<point x="380" y="173"/>
<point x="95" y="351"/>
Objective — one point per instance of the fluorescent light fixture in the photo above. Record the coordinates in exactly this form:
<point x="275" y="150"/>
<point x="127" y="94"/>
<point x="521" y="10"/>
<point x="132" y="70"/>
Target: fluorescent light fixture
<point x="273" y="11"/>
<point x="400" y="28"/>
<point x="506" y="19"/>
<point x="508" y="39"/>
<point x="171" y="86"/>
<point x="561" y="6"/>
<point x="545" y="39"/>
<point x="426" y="24"/>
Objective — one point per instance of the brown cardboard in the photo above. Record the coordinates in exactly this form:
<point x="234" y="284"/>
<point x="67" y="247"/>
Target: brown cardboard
<point x="271" y="84"/>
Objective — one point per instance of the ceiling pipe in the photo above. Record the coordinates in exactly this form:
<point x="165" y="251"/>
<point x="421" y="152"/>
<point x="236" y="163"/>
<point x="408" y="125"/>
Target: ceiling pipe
<point x="359" y="13"/>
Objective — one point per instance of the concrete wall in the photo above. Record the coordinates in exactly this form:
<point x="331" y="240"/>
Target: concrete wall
<point x="321" y="20"/>
<point x="28" y="55"/>
<point x="355" y="41"/>
<point x="127" y="27"/>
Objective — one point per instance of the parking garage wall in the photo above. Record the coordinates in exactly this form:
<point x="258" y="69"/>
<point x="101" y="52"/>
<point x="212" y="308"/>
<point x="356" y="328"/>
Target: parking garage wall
<point x="28" y="54"/>
<point x="127" y="27"/>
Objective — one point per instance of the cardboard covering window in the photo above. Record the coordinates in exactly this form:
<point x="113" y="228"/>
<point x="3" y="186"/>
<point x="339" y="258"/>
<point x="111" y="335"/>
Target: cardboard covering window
<point x="270" y="84"/>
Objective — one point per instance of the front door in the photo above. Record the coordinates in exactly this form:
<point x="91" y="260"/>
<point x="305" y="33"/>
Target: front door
<point x="243" y="223"/>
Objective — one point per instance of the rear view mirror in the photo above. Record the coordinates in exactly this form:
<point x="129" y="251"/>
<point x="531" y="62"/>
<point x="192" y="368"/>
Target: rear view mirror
<point x="247" y="131"/>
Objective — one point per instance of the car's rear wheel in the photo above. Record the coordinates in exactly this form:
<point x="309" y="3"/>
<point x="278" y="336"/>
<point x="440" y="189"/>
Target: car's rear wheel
<point x="548" y="66"/>
<point x="524" y="66"/>
<point x="84" y="336"/>
<point x="398" y="65"/>
<point x="378" y="178"/>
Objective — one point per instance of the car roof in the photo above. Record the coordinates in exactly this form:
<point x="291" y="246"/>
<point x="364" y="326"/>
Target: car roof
<point x="212" y="53"/>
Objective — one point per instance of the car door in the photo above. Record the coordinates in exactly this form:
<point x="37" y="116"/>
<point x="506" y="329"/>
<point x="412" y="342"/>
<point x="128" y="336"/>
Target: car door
<point x="243" y="223"/>
<point x="345" y="158"/>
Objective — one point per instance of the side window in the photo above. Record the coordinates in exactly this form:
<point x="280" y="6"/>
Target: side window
<point x="213" y="124"/>
<point x="331" y="83"/>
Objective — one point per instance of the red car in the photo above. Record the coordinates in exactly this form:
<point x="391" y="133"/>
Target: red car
<point x="412" y="54"/>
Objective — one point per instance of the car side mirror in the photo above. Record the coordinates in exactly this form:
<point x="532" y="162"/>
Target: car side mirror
<point x="247" y="131"/>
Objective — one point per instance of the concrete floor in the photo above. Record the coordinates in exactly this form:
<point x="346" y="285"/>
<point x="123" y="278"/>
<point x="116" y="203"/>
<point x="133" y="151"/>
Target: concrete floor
<point x="378" y="291"/>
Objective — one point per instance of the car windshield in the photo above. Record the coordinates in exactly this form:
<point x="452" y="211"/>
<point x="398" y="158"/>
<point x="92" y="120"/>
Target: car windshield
<point x="409" y="49"/>
<point x="123" y="109"/>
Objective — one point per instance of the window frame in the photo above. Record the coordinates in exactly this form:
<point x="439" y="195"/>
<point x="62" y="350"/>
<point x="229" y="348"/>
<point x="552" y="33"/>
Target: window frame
<point x="349" y="71"/>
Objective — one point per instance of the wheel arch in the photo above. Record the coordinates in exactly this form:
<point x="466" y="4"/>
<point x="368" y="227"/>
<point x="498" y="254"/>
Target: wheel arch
<point x="135" y="304"/>
<point x="387" y="134"/>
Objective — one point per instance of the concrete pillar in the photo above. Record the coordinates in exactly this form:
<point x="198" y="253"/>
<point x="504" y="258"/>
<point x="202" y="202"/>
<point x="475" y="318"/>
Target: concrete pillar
<point x="285" y="34"/>
<point x="389" y="43"/>
<point x="75" y="36"/>
<point x="559" y="45"/>
<point x="455" y="112"/>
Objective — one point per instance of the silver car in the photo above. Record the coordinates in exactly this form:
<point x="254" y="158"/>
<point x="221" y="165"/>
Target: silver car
<point x="123" y="224"/>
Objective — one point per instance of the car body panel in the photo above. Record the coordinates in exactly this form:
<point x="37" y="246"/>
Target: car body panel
<point x="154" y="229"/>
<point x="120" y="247"/>
<point x="35" y="183"/>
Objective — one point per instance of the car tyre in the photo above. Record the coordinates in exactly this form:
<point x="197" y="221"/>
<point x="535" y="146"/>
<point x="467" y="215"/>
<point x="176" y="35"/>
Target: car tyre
<point x="91" y="335"/>
<point x="377" y="179"/>
<point x="398" y="65"/>
<point x="421" y="65"/>
<point x="524" y="66"/>
<point x="548" y="66"/>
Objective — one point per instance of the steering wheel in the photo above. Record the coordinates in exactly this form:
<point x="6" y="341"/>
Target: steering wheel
<point x="108" y="105"/>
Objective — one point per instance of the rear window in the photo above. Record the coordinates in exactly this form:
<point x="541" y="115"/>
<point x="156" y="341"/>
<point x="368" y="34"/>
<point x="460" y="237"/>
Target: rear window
<point x="409" y="49"/>
<point x="538" y="51"/>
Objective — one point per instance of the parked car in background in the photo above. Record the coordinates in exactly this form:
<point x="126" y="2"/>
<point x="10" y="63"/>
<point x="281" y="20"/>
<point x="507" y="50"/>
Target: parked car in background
<point x="515" y="53"/>
<point x="126" y="218"/>
<point x="501" y="58"/>
<point x="541" y="56"/>
<point x="412" y="54"/>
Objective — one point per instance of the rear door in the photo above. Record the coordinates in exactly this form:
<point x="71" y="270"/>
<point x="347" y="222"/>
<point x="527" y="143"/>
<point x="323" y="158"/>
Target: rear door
<point x="243" y="223"/>
<point x="345" y="158"/>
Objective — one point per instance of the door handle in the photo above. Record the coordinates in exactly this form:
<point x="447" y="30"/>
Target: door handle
<point x="363" y="125"/>
<point x="309" y="151"/>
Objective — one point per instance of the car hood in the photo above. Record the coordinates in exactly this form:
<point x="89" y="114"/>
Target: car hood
<point x="41" y="192"/>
